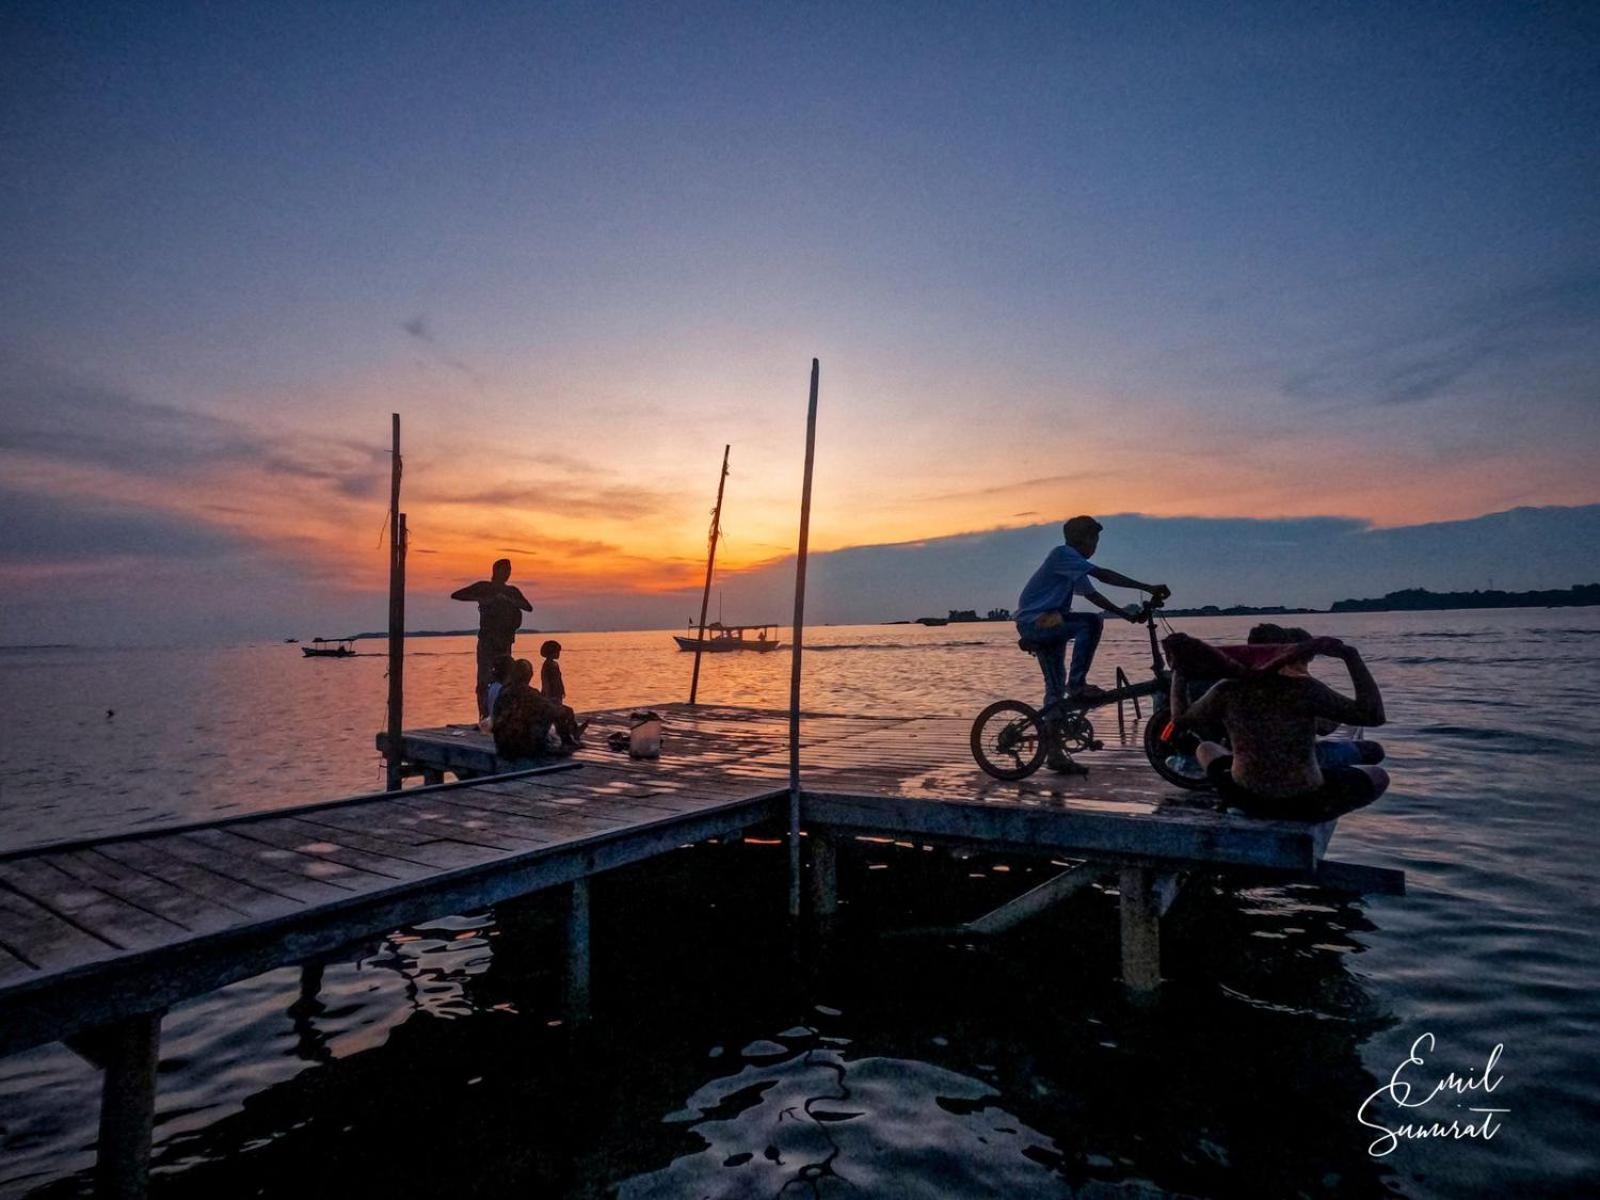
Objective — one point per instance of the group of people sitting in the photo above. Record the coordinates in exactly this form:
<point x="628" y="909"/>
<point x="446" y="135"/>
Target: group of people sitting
<point x="522" y="717"/>
<point x="1260" y="698"/>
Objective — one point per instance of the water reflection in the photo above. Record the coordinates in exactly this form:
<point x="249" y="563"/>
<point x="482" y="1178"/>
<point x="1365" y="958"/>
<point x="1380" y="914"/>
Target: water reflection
<point x="873" y="1064"/>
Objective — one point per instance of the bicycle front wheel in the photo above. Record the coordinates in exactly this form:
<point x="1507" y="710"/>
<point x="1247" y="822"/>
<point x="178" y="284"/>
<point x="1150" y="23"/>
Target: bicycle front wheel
<point x="1009" y="740"/>
<point x="1172" y="753"/>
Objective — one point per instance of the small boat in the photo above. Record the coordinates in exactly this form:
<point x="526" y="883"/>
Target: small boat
<point x="330" y="648"/>
<point x="729" y="637"/>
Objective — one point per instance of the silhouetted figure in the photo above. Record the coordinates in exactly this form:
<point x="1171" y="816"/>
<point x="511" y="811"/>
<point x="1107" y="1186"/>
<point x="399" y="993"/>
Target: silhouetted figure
<point x="500" y="609"/>
<point x="499" y="676"/>
<point x="555" y="690"/>
<point x="521" y="716"/>
<point x="1045" y="619"/>
<point x="1346" y="752"/>
<point x="1272" y="713"/>
<point x="550" y="681"/>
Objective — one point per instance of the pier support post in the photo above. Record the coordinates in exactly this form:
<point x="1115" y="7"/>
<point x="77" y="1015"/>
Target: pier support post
<point x="1141" y="931"/>
<point x="577" y="951"/>
<point x="824" y="872"/>
<point x="310" y="981"/>
<point x="128" y="1052"/>
<point x="1146" y="896"/>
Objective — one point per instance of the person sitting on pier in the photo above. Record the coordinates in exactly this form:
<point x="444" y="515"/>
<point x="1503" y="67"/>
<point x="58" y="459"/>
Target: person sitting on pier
<point x="522" y="716"/>
<point x="1342" y="752"/>
<point x="500" y="609"/>
<point x="500" y="675"/>
<point x="1046" y="622"/>
<point x="1271" y="710"/>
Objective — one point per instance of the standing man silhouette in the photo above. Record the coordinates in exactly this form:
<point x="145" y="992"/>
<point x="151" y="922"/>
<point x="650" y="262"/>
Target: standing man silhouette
<point x="500" y="609"/>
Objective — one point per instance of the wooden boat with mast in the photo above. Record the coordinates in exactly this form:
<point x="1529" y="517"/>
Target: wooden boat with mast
<point x="330" y="648"/>
<point x="729" y="637"/>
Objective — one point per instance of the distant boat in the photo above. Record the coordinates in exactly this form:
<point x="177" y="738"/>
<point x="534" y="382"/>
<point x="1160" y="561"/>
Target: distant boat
<point x="330" y="648"/>
<point x="729" y="637"/>
<point x="291" y="641"/>
<point x="933" y="620"/>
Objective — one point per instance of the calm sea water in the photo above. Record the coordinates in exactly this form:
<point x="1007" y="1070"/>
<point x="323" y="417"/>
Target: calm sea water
<point x="880" y="1062"/>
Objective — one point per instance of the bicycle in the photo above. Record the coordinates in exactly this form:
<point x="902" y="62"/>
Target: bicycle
<point x="1010" y="739"/>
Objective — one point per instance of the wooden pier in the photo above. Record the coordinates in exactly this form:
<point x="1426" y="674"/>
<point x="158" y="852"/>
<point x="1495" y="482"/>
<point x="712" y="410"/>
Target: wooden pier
<point x="98" y="937"/>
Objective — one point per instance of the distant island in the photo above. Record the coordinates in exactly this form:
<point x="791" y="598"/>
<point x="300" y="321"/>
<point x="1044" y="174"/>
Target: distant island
<point x="960" y="616"/>
<point x="1421" y="600"/>
<point x="1406" y="600"/>
<point x="1237" y="610"/>
<point x="414" y="633"/>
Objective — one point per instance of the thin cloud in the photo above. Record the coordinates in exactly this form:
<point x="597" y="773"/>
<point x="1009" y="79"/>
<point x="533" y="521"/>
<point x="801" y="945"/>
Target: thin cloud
<point x="46" y="415"/>
<point x="1518" y="327"/>
<point x="420" y="330"/>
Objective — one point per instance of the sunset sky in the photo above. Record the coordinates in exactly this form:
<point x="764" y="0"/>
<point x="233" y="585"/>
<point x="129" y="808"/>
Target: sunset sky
<point x="1269" y="261"/>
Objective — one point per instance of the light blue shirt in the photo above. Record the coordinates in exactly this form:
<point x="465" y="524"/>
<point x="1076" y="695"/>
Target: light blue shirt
<point x="1063" y="575"/>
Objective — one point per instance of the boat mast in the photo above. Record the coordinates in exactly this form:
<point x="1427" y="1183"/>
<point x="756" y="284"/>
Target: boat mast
<point x="711" y="562"/>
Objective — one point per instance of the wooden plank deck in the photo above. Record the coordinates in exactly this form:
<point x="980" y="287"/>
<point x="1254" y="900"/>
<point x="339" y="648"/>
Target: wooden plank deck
<point x="916" y="776"/>
<point x="93" y="932"/>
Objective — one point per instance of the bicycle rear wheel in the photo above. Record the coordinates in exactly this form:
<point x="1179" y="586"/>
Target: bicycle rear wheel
<point x="1009" y="740"/>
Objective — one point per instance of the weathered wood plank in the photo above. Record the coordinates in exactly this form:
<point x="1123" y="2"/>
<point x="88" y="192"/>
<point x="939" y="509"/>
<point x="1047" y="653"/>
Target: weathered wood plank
<point x="281" y="836"/>
<point x="13" y="968"/>
<point x="248" y="870"/>
<point x="1087" y="833"/>
<point x="440" y="854"/>
<point x="308" y="866"/>
<point x="221" y="891"/>
<point x="97" y="912"/>
<point x="155" y="896"/>
<point x="39" y="937"/>
<point x="465" y="821"/>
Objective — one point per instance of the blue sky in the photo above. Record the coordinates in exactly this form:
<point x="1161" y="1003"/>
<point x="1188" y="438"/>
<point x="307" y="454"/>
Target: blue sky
<point x="1257" y="261"/>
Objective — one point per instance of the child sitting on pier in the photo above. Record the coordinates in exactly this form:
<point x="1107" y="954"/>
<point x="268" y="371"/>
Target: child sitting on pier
<point x="500" y="675"/>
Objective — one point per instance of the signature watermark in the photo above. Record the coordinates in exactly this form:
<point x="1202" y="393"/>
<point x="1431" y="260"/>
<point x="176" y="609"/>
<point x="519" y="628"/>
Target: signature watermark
<point x="1411" y="1088"/>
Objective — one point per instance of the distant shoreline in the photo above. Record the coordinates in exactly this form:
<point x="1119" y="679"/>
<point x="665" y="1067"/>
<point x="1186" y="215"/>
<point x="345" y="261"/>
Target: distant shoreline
<point x="1583" y="595"/>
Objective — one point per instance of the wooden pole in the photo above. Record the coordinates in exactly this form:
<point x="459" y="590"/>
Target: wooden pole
<point x="795" y="647"/>
<point x="127" y="1107"/>
<point x="576" y="983"/>
<point x="711" y="561"/>
<point x="397" y="618"/>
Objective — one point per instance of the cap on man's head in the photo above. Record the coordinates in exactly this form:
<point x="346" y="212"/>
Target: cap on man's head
<point x="1080" y="529"/>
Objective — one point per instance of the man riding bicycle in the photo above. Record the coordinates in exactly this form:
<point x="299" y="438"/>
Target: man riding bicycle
<point x="1046" y="622"/>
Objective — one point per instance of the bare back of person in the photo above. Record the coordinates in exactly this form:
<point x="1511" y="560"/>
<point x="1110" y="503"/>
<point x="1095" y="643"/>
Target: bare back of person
<point x="1272" y="726"/>
<point x="1272" y="719"/>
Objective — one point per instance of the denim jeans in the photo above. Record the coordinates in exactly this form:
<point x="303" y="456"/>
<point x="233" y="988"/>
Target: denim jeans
<point x="1083" y="631"/>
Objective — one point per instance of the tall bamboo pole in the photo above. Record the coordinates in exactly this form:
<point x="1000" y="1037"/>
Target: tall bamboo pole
<point x="711" y="561"/>
<point x="397" y="617"/>
<point x="795" y="647"/>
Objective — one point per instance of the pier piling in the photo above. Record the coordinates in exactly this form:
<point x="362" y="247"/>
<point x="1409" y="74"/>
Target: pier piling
<point x="129" y="1052"/>
<point x="576" y="978"/>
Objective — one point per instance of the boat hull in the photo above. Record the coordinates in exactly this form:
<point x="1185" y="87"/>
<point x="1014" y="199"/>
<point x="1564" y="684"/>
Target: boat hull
<point x="724" y="645"/>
